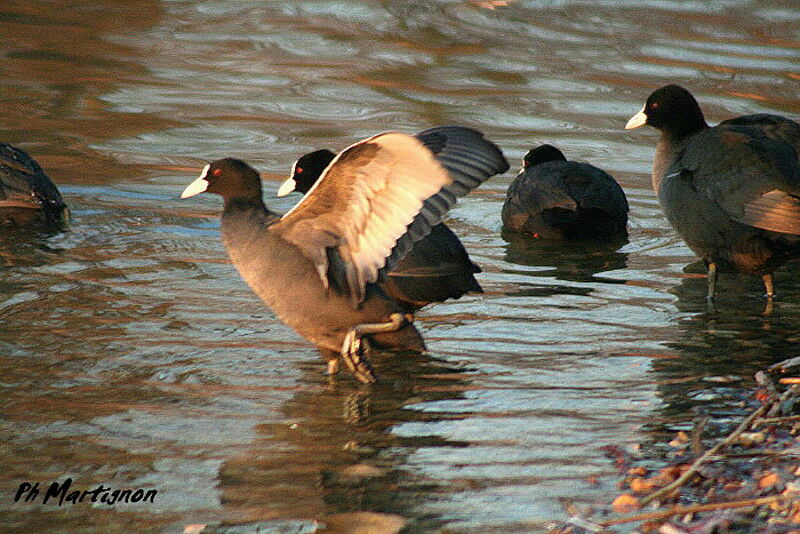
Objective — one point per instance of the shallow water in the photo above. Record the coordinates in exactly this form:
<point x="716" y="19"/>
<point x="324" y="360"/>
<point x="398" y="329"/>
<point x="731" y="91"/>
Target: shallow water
<point x="134" y="357"/>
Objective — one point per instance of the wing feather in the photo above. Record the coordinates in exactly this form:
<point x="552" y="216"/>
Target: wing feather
<point x="775" y="210"/>
<point x="367" y="197"/>
<point x="753" y="177"/>
<point x="380" y="195"/>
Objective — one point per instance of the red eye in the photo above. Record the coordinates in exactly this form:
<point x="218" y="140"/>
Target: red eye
<point x="298" y="170"/>
<point x="216" y="172"/>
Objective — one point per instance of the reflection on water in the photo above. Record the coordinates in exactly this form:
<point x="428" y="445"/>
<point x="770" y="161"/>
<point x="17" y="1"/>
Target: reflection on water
<point x="133" y="356"/>
<point x="576" y="261"/>
<point x="336" y="447"/>
<point x="731" y="342"/>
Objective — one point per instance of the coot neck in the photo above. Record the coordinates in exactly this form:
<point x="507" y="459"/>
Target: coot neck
<point x="677" y="134"/>
<point x="248" y="202"/>
<point x="673" y="138"/>
<point x="683" y="126"/>
<point x="245" y="215"/>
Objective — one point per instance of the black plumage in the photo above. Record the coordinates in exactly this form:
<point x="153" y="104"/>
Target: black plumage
<point x="27" y="196"/>
<point x="552" y="198"/>
<point x="319" y="266"/>
<point x="731" y="191"/>
<point x="435" y="269"/>
<point x="306" y="171"/>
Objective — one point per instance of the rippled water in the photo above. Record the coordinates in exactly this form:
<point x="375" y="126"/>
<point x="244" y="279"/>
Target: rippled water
<point x="133" y="355"/>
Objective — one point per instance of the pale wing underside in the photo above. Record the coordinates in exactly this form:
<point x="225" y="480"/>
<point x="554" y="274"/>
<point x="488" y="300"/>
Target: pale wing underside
<point x="361" y="205"/>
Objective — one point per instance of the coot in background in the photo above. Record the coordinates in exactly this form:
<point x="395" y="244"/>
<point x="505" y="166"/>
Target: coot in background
<point x="731" y="191"/>
<point x="436" y="268"/>
<point x="306" y="171"/>
<point x="27" y="196"/>
<point x="318" y="266"/>
<point x="552" y="198"/>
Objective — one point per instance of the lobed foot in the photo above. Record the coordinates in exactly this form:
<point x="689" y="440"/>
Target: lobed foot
<point x="353" y="350"/>
<point x="354" y="346"/>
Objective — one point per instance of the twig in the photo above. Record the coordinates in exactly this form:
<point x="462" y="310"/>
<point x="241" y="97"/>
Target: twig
<point x="584" y="524"/>
<point x="683" y="510"/>
<point x="713" y="450"/>
<point x="785" y="364"/>
<point x="697" y="436"/>
<point x="794" y="451"/>
<point x="776" y="406"/>
<point x="700" y="461"/>
<point x="777" y="420"/>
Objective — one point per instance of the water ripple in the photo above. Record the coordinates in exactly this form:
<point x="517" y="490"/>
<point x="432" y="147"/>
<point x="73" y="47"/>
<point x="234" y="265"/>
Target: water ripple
<point x="134" y="354"/>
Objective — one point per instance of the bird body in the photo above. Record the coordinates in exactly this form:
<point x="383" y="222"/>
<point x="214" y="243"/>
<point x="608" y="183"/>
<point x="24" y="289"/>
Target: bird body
<point x="553" y="198"/>
<point x="731" y="222"/>
<point x="27" y="196"/>
<point x="290" y="285"/>
<point x="320" y="266"/>
<point x="437" y="268"/>
<point x="731" y="191"/>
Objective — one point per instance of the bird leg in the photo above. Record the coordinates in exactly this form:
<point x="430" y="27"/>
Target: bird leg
<point x="332" y="359"/>
<point x="333" y="367"/>
<point x="769" y="285"/>
<point x="354" y="346"/>
<point x="712" y="281"/>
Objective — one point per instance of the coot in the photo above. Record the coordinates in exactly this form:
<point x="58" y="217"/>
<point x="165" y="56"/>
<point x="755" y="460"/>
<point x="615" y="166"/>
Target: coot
<point x="731" y="191"/>
<point x="552" y="198"/>
<point x="318" y="266"/>
<point x="306" y="171"/>
<point x="436" y="268"/>
<point x="27" y="196"/>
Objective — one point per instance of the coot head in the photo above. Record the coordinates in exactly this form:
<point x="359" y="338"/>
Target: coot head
<point x="305" y="172"/>
<point x="672" y="109"/>
<point x="229" y="178"/>
<point x="542" y="154"/>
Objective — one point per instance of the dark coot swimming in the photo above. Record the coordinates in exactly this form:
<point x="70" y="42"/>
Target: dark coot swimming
<point x="27" y="196"/>
<point x="731" y="191"/>
<point x="318" y="267"/>
<point x="436" y="268"/>
<point x="552" y="198"/>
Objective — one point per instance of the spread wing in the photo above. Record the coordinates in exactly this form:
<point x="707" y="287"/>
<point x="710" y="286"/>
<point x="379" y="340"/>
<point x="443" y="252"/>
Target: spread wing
<point x="754" y="178"/>
<point x="381" y="195"/>
<point x="469" y="159"/>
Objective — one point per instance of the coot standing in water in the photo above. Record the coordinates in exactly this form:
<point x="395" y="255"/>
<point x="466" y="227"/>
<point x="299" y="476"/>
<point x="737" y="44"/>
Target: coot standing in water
<point x="731" y="191"/>
<point x="318" y="266"/>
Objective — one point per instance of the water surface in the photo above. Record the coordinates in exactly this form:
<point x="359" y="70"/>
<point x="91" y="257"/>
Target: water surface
<point x="134" y="356"/>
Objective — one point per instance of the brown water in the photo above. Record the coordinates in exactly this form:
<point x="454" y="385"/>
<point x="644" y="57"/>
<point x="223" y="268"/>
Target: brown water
<point x="134" y="357"/>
